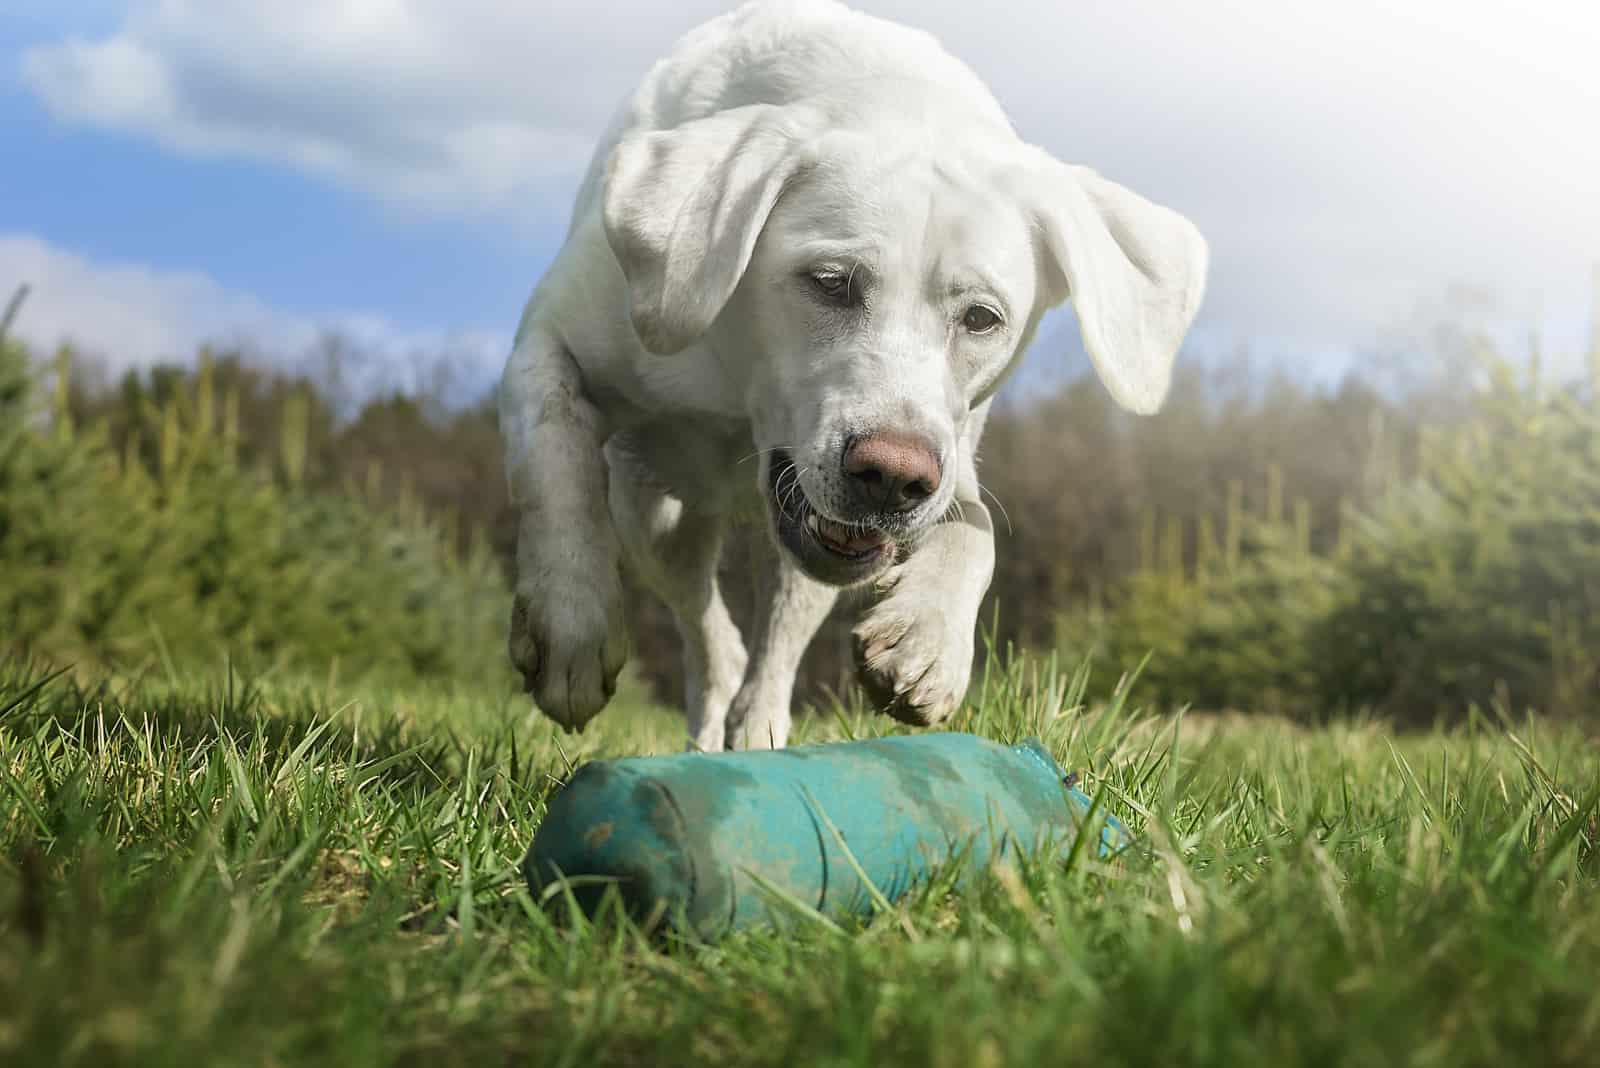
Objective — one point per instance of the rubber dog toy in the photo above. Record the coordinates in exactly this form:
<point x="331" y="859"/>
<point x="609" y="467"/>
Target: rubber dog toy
<point x="709" y="842"/>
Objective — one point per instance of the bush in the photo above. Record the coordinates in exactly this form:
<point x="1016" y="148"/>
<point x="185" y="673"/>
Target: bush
<point x="1232" y="635"/>
<point x="1480" y="580"/>
<point x="1476" y="581"/>
<point x="195" y="557"/>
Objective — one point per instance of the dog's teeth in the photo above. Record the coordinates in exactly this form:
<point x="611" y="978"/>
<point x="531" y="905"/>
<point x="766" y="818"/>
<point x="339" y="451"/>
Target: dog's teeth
<point x="812" y="524"/>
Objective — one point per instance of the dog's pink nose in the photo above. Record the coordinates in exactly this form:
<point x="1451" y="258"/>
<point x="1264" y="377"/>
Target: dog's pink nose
<point x="891" y="472"/>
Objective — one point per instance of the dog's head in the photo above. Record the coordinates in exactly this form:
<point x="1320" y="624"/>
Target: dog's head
<point x="868" y="279"/>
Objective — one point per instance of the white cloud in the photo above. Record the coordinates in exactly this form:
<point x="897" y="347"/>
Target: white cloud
<point x="1347" y="161"/>
<point x="470" y="105"/>
<point x="127" y="315"/>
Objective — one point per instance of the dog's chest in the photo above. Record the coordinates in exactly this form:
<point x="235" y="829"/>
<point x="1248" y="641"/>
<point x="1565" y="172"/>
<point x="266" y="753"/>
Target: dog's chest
<point x="708" y="460"/>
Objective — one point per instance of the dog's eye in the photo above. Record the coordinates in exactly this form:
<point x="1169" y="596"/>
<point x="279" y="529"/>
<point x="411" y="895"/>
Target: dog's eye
<point x="835" y="285"/>
<point x="980" y="319"/>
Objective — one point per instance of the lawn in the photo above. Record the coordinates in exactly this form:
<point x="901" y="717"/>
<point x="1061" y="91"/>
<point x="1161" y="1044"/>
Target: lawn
<point x="212" y="870"/>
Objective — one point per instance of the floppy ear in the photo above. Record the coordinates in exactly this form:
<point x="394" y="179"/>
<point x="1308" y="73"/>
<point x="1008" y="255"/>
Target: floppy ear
<point x="682" y="210"/>
<point x="1135" y="273"/>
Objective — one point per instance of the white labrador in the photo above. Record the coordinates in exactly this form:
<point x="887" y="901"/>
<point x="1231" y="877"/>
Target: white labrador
<point x="808" y="251"/>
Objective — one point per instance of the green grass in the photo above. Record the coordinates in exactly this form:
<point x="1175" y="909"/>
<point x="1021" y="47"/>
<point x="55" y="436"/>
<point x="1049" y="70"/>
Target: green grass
<point x="210" y="872"/>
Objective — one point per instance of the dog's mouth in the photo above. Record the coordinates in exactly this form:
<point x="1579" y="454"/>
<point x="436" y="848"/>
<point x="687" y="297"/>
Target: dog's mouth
<point x="832" y="551"/>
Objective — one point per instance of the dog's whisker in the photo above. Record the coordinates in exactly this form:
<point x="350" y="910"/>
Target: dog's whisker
<point x="762" y="452"/>
<point x="1003" y="513"/>
<point x="797" y="491"/>
<point x="789" y="489"/>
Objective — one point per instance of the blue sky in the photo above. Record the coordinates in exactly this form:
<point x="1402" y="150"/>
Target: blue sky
<point x="400" y="170"/>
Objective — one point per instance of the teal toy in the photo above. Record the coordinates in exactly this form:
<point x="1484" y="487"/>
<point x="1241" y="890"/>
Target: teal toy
<point x="711" y="842"/>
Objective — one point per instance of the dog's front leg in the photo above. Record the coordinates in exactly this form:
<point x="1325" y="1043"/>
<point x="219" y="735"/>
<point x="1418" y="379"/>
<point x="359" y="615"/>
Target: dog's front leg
<point x="568" y="632"/>
<point x="914" y="645"/>
<point x="790" y="606"/>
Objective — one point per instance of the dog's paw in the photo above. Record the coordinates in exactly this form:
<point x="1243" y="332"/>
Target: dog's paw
<point x="570" y="650"/>
<point x="914" y="657"/>
<point x="754" y="723"/>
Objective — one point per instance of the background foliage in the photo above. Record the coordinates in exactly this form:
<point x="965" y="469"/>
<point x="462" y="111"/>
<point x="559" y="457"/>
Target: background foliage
<point x="162" y="538"/>
<point x="1413" y="543"/>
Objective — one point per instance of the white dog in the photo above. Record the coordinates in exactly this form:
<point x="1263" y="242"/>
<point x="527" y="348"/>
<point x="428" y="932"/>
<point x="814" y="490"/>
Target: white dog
<point x="808" y="251"/>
